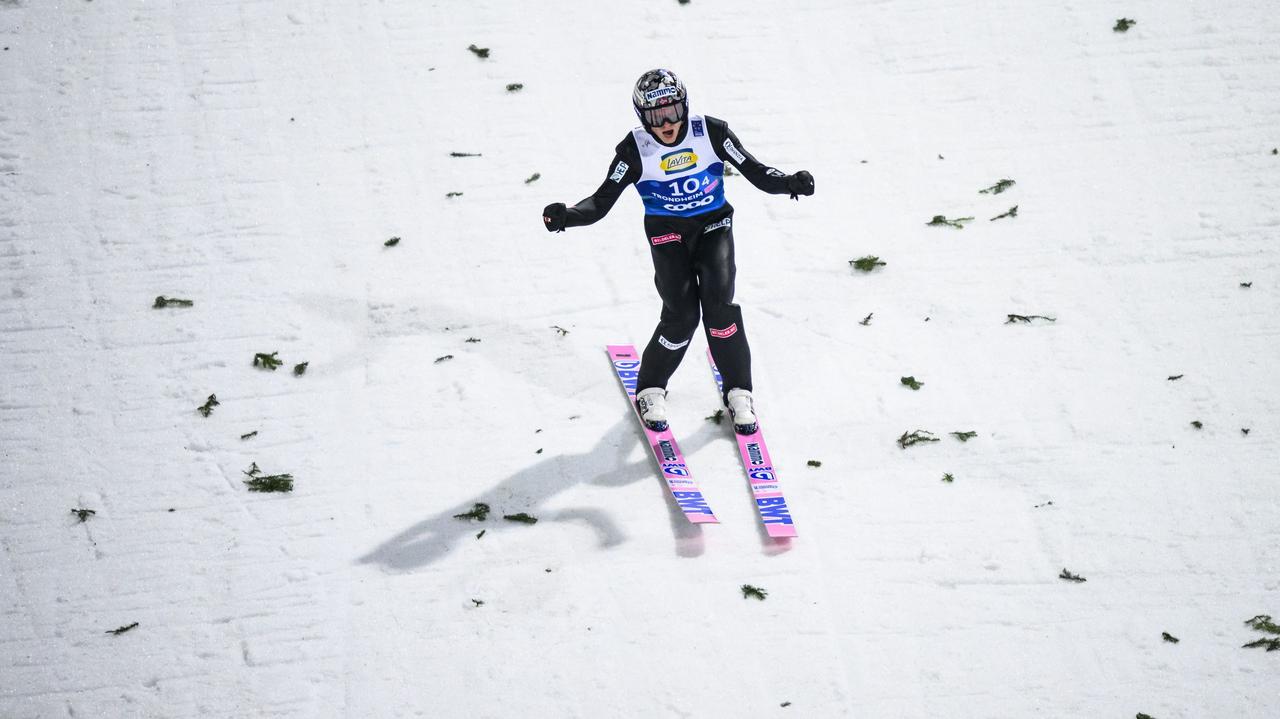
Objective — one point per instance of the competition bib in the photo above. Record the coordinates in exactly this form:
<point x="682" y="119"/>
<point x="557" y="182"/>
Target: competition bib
<point x="687" y="179"/>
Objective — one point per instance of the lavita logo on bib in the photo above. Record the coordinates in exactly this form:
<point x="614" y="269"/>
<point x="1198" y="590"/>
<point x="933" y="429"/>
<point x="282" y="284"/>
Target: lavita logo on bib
<point x="678" y="161"/>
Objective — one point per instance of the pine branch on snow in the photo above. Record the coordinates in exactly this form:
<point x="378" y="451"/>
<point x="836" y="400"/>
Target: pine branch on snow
<point x="121" y="630"/>
<point x="515" y="87"/>
<point x="911" y="382"/>
<point x="391" y="242"/>
<point x="300" y="369"/>
<point x="521" y="517"/>
<point x="867" y="264"/>
<point x="964" y="436"/>
<point x="206" y="408"/>
<point x="749" y="591"/>
<point x="909" y="439"/>
<point x="479" y="511"/>
<point x="1169" y="638"/>
<point x="480" y="52"/>
<point x="163" y="302"/>
<point x="941" y="220"/>
<point x="1012" y="212"/>
<point x="1071" y="577"/>
<point x="997" y="188"/>
<point x="83" y="514"/>
<point x="1123" y="24"/>
<point x="718" y="417"/>
<point x="1026" y="319"/>
<point x="259" y="482"/>
<point x="267" y="361"/>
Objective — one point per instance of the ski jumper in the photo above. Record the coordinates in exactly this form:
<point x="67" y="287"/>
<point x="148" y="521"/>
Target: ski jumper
<point x="689" y="224"/>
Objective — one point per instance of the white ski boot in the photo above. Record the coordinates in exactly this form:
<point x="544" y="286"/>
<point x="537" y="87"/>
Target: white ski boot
<point x="742" y="409"/>
<point x="652" y="403"/>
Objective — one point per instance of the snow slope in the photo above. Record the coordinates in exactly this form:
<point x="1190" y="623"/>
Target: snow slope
<point x="254" y="157"/>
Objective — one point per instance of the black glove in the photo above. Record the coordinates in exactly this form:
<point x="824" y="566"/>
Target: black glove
<point x="553" y="216"/>
<point x="800" y="183"/>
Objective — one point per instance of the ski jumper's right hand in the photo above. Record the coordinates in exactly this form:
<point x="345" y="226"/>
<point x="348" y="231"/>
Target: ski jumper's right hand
<point x="553" y="216"/>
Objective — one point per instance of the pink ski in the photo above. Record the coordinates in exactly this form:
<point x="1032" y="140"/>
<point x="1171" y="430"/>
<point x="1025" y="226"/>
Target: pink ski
<point x="684" y="489"/>
<point x="760" y="473"/>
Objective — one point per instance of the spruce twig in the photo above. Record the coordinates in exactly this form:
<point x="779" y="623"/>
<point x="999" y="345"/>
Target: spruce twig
<point x="300" y="369"/>
<point x="560" y="329"/>
<point x="912" y="438"/>
<point x="814" y="463"/>
<point x="206" y="408"/>
<point x="749" y="591"/>
<point x="997" y="188"/>
<point x="121" y="630"/>
<point x="259" y="482"/>
<point x="521" y="517"/>
<point x="1026" y="319"/>
<point x="1123" y="24"/>
<point x="249" y="435"/>
<point x="911" y="382"/>
<point x="866" y="320"/>
<point x="1169" y="638"/>
<point x="466" y="154"/>
<point x="533" y="178"/>
<point x="480" y="52"/>
<point x="267" y="361"/>
<point x="964" y="436"/>
<point x="940" y="220"/>
<point x="453" y="194"/>
<point x="1174" y="377"/>
<point x="867" y="263"/>
<point x="163" y="302"/>
<point x="948" y="478"/>
<point x="444" y="358"/>
<point x="515" y="87"/>
<point x="391" y="242"/>
<point x="718" y="417"/>
<point x="479" y="511"/>
<point x="1263" y="623"/>
<point x="1012" y="212"/>
<point x="83" y="514"/>
<point x="1071" y="577"/>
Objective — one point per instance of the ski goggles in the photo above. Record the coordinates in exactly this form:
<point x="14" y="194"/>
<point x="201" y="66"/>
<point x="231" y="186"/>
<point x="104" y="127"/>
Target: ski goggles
<point x="659" y="116"/>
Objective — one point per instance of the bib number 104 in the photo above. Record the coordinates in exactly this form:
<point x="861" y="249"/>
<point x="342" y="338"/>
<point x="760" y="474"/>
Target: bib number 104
<point x="689" y="186"/>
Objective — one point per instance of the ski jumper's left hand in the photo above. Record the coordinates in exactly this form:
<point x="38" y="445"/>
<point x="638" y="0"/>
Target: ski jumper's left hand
<point x="800" y="183"/>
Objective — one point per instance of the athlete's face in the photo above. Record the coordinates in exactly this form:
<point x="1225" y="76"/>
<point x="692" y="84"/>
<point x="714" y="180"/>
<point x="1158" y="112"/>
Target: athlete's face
<point x="668" y="132"/>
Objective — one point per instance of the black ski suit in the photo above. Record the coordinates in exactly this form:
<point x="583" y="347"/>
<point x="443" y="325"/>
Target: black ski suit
<point x="692" y="254"/>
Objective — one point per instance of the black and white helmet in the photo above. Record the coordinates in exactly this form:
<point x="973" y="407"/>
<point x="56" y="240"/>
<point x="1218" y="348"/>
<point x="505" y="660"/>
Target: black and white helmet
<point x="659" y="97"/>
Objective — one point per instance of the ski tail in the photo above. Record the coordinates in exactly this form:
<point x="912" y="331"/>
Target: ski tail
<point x="684" y="488"/>
<point x="758" y="465"/>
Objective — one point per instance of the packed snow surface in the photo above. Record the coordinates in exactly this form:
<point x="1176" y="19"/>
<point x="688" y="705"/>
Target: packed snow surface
<point x="255" y="157"/>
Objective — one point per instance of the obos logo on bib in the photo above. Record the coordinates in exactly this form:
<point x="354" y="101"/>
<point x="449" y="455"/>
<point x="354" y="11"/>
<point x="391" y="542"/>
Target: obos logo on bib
<point x="678" y="161"/>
